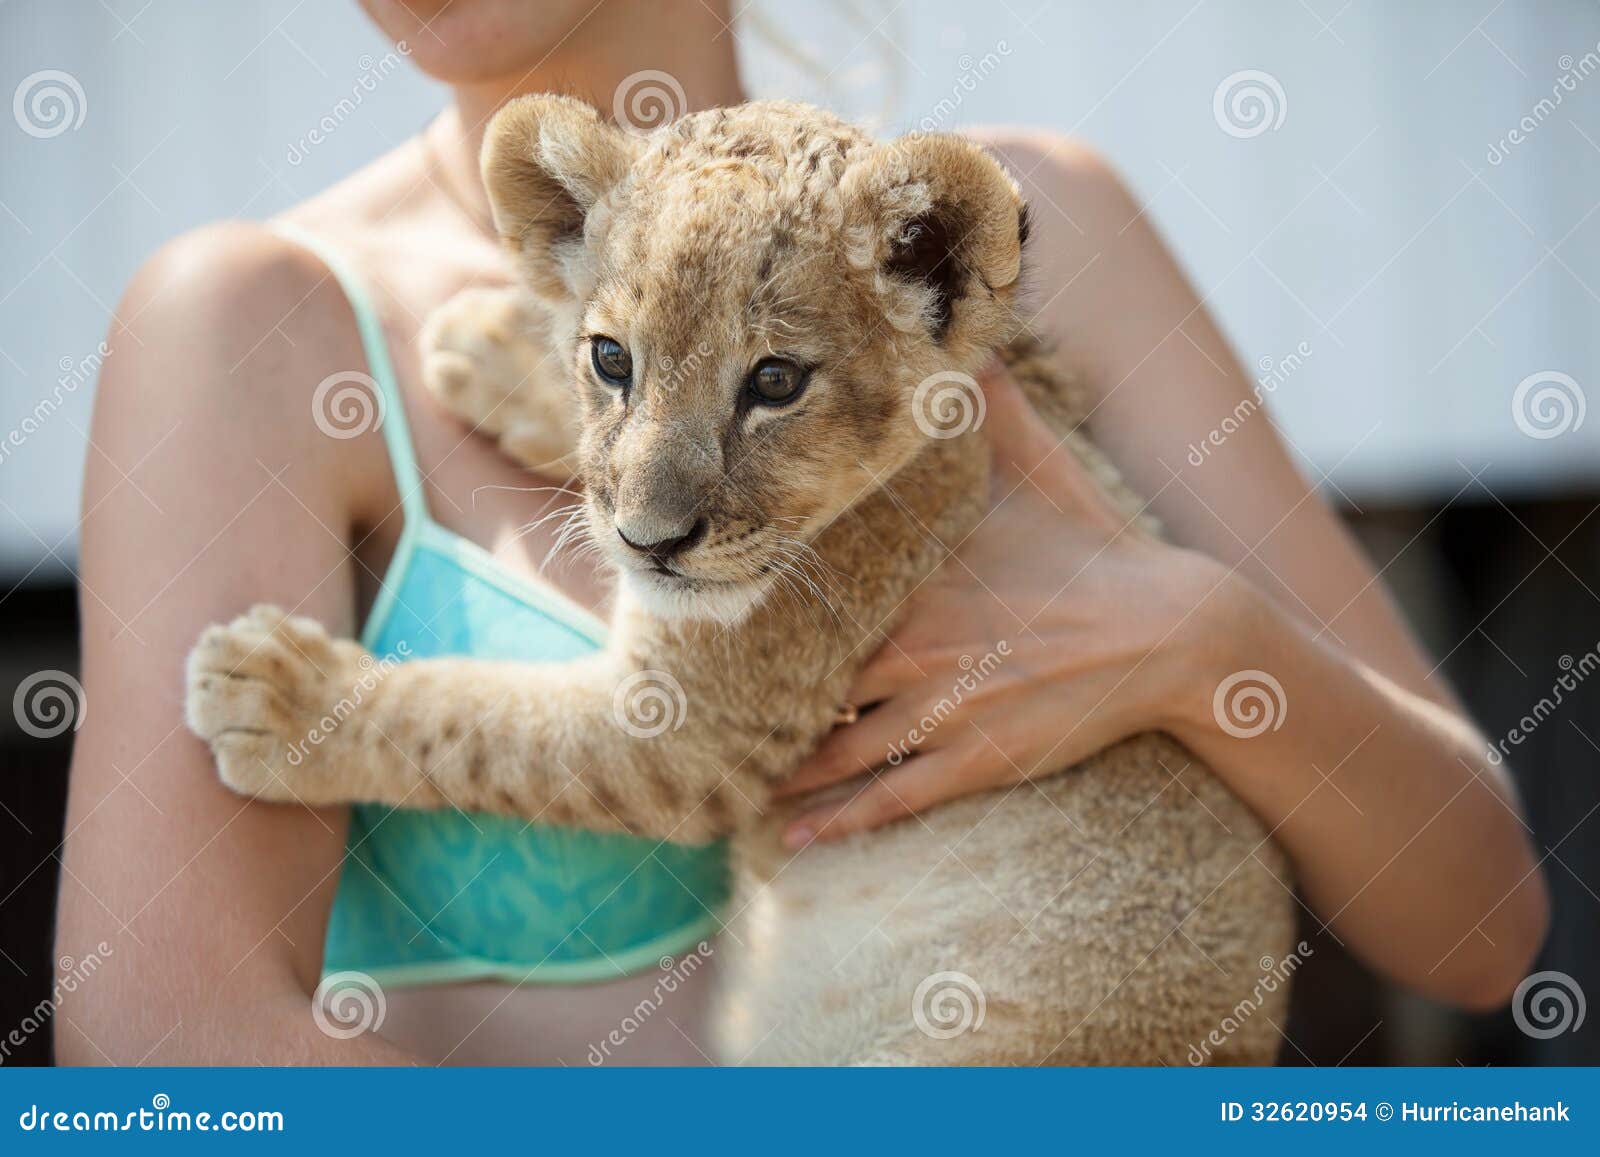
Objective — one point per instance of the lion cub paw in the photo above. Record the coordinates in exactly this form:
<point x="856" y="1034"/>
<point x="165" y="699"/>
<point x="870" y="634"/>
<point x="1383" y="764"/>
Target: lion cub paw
<point x="488" y="357"/>
<point x="266" y="691"/>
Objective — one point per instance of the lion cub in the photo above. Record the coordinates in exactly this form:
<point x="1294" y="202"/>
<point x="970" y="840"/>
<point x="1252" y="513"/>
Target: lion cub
<point x="760" y="307"/>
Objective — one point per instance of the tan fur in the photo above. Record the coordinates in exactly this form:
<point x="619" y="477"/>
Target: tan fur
<point x="490" y="353"/>
<point x="1116" y="913"/>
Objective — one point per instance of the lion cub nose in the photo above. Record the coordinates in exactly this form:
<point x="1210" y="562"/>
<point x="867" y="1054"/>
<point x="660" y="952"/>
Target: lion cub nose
<point x="658" y="548"/>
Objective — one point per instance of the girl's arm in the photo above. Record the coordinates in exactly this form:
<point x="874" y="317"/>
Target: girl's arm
<point x="1409" y="844"/>
<point x="208" y="487"/>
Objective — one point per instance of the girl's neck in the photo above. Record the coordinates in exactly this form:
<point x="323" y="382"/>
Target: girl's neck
<point x="689" y="48"/>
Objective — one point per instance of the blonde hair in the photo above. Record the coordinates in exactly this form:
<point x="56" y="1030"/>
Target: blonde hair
<point x="865" y="21"/>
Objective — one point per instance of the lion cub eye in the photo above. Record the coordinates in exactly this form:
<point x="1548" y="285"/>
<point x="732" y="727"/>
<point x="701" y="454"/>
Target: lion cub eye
<point x="611" y="361"/>
<point x="776" y="381"/>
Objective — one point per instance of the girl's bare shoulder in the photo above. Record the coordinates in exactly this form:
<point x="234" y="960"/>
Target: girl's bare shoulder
<point x="1074" y="190"/>
<point x="220" y="343"/>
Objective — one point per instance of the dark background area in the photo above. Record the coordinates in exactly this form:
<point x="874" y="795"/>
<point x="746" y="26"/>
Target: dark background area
<point x="1515" y="584"/>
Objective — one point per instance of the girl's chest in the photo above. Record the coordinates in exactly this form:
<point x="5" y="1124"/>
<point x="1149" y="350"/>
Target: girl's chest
<point x="474" y="491"/>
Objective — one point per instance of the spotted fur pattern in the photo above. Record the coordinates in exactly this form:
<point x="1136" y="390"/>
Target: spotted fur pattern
<point x="1115" y="913"/>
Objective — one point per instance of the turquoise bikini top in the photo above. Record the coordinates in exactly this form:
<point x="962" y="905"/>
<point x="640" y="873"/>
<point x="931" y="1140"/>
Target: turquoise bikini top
<point x="444" y="895"/>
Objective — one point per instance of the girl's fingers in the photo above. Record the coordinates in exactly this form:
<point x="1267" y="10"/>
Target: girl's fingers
<point x="916" y="785"/>
<point x="871" y="741"/>
<point x="886" y="674"/>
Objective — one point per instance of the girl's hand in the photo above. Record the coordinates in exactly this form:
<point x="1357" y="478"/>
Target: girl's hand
<point x="1056" y="630"/>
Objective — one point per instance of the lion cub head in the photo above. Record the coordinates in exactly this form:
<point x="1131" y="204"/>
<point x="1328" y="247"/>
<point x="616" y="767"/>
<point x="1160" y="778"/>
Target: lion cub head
<point x="750" y="298"/>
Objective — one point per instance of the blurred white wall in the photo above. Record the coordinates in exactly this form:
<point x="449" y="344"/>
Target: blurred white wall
<point x="1384" y="217"/>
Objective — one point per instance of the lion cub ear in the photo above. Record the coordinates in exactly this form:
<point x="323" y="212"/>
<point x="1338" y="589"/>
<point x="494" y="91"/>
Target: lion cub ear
<point x="547" y="162"/>
<point x="947" y="224"/>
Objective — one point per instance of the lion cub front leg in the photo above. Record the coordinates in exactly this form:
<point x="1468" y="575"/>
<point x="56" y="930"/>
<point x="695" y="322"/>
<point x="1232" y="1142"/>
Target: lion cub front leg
<point x="293" y="715"/>
<point x="489" y="357"/>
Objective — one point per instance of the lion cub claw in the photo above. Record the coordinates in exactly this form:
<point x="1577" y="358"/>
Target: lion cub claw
<point x="487" y="356"/>
<point x="260" y="690"/>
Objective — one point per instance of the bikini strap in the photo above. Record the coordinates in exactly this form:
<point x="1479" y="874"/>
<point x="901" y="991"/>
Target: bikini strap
<point x="391" y="408"/>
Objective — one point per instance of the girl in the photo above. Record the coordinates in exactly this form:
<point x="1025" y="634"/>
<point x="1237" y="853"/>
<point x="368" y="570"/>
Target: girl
<point x="482" y="942"/>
